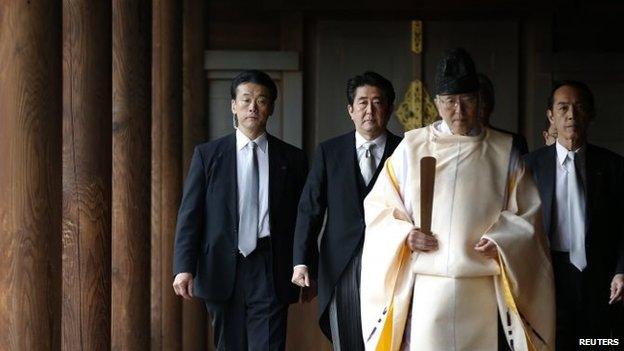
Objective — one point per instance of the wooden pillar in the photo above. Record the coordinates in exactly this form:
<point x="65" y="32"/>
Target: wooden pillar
<point x="86" y="175"/>
<point x="30" y="175"/>
<point x="194" y="131"/>
<point x="166" y="169"/>
<point x="131" y="175"/>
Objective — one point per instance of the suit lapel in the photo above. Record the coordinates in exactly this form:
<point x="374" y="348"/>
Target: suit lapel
<point x="546" y="182"/>
<point x="229" y="162"/>
<point x="351" y="167"/>
<point x="278" y="168"/>
<point x="593" y="178"/>
<point x="391" y="143"/>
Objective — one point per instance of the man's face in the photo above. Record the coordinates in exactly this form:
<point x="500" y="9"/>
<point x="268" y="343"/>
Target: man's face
<point x="252" y="108"/>
<point x="459" y="111"/>
<point x="569" y="115"/>
<point x="370" y="111"/>
<point x="550" y="135"/>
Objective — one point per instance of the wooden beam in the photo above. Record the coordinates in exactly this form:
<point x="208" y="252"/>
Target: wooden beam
<point x="30" y="175"/>
<point x="166" y="169"/>
<point x="86" y="175"/>
<point x="131" y="175"/>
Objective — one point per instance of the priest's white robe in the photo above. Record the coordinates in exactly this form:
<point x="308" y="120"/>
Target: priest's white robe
<point x="481" y="190"/>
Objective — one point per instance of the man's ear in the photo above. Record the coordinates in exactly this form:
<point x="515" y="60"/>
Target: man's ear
<point x="233" y="106"/>
<point x="549" y="115"/>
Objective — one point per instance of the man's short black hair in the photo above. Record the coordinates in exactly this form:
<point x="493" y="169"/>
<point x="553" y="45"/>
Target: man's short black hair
<point x="586" y="94"/>
<point x="373" y="79"/>
<point x="257" y="77"/>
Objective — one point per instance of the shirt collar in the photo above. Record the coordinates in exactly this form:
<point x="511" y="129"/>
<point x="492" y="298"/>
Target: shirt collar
<point x="562" y="152"/>
<point x="378" y="141"/>
<point x="242" y="140"/>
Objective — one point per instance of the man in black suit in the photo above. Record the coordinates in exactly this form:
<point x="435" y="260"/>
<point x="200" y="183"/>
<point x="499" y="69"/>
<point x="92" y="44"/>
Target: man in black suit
<point x="343" y="172"/>
<point x="486" y="107"/>
<point x="234" y="235"/>
<point x="582" y="191"/>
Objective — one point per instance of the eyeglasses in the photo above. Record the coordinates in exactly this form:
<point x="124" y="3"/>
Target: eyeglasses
<point x="452" y="101"/>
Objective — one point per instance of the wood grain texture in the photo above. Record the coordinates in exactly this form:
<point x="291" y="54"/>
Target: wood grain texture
<point x="166" y="169"/>
<point x="130" y="309"/>
<point x="427" y="184"/>
<point x="194" y="131"/>
<point x="86" y="175"/>
<point x="30" y="175"/>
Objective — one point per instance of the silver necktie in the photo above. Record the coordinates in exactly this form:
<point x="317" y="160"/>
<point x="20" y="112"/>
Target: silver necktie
<point x="367" y="162"/>
<point x="576" y="214"/>
<point x="248" y="216"/>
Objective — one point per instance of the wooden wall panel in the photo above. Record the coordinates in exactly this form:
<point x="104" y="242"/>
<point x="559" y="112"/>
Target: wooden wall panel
<point x="131" y="175"/>
<point x="166" y="169"/>
<point x="30" y="175"/>
<point x="86" y="175"/>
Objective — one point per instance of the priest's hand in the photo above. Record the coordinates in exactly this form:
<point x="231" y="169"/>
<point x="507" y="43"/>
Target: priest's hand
<point x="419" y="241"/>
<point x="183" y="285"/>
<point x="487" y="248"/>
<point x="617" y="288"/>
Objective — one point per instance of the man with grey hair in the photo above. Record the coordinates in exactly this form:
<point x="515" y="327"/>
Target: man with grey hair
<point x="485" y="259"/>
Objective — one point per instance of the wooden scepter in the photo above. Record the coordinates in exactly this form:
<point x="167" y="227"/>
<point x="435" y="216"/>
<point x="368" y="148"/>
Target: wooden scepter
<point x="427" y="181"/>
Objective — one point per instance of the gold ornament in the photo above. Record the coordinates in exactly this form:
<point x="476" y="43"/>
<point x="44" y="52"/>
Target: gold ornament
<point x="417" y="109"/>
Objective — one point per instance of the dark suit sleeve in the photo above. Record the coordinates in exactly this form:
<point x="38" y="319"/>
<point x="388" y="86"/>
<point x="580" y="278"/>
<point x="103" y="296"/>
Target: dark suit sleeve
<point x="311" y="212"/>
<point x="190" y="218"/>
<point x="620" y="175"/>
<point x="303" y="171"/>
<point x="529" y="162"/>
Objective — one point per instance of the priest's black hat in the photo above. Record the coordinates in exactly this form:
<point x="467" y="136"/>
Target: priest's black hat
<point x="456" y="73"/>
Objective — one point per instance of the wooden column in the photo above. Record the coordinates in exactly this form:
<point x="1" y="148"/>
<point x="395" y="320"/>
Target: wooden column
<point x="166" y="169"/>
<point x="30" y="175"/>
<point x="131" y="175"/>
<point x="86" y="175"/>
<point x="194" y="131"/>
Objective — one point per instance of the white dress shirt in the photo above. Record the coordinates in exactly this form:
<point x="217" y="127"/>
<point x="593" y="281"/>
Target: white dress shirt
<point x="561" y="237"/>
<point x="377" y="151"/>
<point x="242" y="154"/>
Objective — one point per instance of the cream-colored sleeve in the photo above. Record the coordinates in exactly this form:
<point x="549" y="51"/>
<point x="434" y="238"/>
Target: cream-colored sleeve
<point x="384" y="253"/>
<point x="523" y="251"/>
